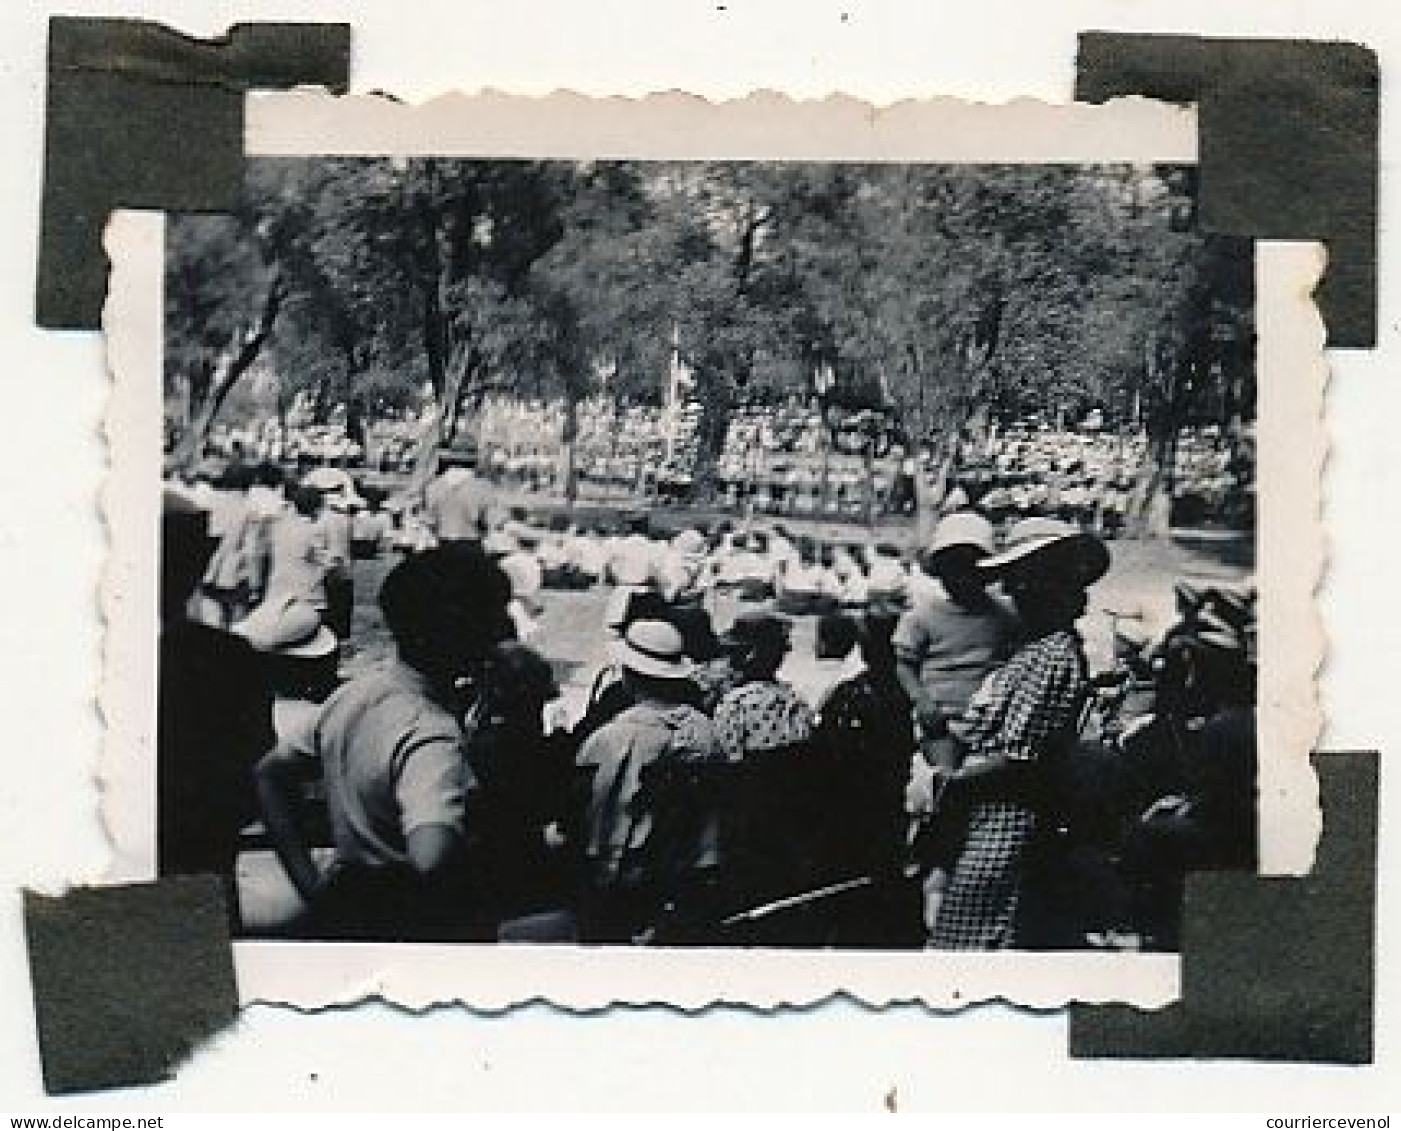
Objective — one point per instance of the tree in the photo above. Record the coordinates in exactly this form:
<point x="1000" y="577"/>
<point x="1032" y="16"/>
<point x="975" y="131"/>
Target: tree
<point x="223" y="295"/>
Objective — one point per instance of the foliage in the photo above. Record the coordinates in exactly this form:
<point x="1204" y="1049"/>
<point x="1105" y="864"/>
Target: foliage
<point x="941" y="295"/>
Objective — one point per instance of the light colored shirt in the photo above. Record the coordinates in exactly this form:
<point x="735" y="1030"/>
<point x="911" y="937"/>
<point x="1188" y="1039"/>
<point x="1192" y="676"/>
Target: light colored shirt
<point x="300" y="558"/>
<point x="336" y="529"/>
<point x="392" y="760"/>
<point x="618" y="752"/>
<point x="954" y="647"/>
<point x="457" y="504"/>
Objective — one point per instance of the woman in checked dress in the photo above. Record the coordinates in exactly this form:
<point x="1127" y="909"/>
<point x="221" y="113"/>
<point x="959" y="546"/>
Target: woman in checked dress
<point x="1023" y="717"/>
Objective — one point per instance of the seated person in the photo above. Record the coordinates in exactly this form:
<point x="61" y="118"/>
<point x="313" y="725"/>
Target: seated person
<point x="390" y="748"/>
<point x="647" y="848"/>
<point x="521" y="814"/>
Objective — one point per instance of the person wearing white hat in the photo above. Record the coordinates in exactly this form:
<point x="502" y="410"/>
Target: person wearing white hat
<point x="1024" y="716"/>
<point x="641" y="855"/>
<point x="945" y="645"/>
<point x="948" y="642"/>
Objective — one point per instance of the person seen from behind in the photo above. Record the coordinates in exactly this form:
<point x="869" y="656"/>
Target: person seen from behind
<point x="390" y="748"/>
<point x="865" y="727"/>
<point x="525" y="826"/>
<point x="650" y="837"/>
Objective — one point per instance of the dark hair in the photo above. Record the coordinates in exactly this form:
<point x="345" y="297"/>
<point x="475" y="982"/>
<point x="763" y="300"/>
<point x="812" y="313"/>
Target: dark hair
<point x="236" y="477"/>
<point x="445" y="608"/>
<point x="268" y="474"/>
<point x="836" y="636"/>
<point x="523" y="681"/>
<point x="877" y="640"/>
<point x="659" y="688"/>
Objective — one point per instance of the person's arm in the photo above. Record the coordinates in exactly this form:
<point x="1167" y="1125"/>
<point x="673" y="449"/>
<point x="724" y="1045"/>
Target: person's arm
<point x="431" y="788"/>
<point x="278" y="775"/>
<point x="907" y="672"/>
<point x="909" y="641"/>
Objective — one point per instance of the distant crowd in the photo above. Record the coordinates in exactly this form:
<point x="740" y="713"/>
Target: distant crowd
<point x="785" y="461"/>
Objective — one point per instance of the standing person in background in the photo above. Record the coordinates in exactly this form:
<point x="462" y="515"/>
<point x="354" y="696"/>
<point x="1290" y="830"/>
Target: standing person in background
<point x="337" y="522"/>
<point x="300" y="556"/>
<point x="457" y="504"/>
<point x="234" y="577"/>
<point x="1021" y="721"/>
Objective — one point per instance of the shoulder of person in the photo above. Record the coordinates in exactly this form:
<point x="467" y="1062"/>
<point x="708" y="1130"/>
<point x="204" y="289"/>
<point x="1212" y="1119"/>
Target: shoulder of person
<point x="404" y="709"/>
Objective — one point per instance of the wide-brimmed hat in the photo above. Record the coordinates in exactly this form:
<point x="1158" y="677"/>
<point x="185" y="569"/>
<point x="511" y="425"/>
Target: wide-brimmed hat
<point x="963" y="528"/>
<point x="287" y="626"/>
<point x="654" y="648"/>
<point x="1050" y="548"/>
<point x="336" y="487"/>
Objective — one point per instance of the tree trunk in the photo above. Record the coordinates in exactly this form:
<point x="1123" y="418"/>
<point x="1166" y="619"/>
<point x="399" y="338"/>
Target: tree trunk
<point x="569" y="436"/>
<point x="714" y="423"/>
<point x="440" y="431"/>
<point x="226" y="373"/>
<point x="1149" y="510"/>
<point x="870" y="468"/>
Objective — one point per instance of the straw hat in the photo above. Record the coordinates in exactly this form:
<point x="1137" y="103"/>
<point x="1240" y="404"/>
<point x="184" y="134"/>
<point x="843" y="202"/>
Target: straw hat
<point x="654" y="648"/>
<point x="336" y="486"/>
<point x="963" y="528"/>
<point x="287" y="626"/>
<point x="328" y="480"/>
<point x="1051" y="548"/>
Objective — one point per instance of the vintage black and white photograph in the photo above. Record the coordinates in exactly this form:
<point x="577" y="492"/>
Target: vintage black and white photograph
<point x="780" y="554"/>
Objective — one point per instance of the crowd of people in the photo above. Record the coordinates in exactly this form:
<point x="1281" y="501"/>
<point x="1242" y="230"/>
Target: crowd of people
<point x="921" y="781"/>
<point x="786" y="460"/>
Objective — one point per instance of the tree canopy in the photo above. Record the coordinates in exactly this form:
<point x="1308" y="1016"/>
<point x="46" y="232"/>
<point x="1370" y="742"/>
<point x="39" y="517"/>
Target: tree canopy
<point x="941" y="295"/>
